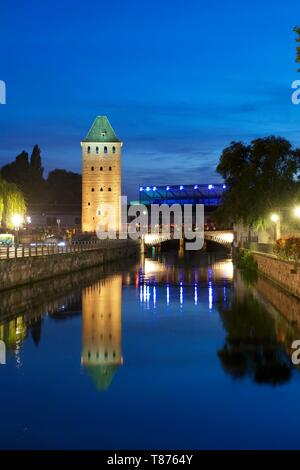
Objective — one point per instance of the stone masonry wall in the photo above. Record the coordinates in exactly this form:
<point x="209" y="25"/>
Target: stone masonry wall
<point x="281" y="272"/>
<point x="21" y="271"/>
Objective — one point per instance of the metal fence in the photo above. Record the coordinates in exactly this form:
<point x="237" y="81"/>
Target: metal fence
<point x="26" y="251"/>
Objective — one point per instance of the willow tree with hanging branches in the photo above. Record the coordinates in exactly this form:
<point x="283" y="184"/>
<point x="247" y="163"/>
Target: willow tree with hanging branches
<point x="11" y="202"/>
<point x="297" y="31"/>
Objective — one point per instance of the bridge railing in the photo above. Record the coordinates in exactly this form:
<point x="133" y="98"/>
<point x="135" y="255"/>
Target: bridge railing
<point x="25" y="251"/>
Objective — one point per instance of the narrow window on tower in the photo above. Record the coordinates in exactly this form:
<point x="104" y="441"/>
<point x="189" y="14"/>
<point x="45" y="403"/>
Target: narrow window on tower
<point x="89" y="203"/>
<point x="114" y="150"/>
<point x="93" y="190"/>
<point x="101" y="189"/>
<point x="89" y="149"/>
<point x="105" y="149"/>
<point x="101" y="168"/>
<point x="97" y="150"/>
<point x="92" y="168"/>
<point x="110" y="168"/>
<point x="109" y="189"/>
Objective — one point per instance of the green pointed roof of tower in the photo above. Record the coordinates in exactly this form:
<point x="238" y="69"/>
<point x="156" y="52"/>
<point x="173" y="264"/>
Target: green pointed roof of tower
<point x="102" y="375"/>
<point x="101" y="131"/>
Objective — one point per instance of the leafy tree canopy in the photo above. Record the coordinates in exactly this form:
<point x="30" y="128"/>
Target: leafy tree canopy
<point x="297" y="31"/>
<point x="261" y="177"/>
<point x="60" y="188"/>
<point x="11" y="202"/>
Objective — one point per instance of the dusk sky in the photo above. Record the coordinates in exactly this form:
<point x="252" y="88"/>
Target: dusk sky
<point x="178" y="81"/>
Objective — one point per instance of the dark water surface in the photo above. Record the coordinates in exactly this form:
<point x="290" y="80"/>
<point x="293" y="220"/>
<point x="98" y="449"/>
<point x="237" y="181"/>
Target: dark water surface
<point x="162" y="353"/>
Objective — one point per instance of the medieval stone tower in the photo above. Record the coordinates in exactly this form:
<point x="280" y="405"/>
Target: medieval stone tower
<point x="102" y="330"/>
<point x="101" y="175"/>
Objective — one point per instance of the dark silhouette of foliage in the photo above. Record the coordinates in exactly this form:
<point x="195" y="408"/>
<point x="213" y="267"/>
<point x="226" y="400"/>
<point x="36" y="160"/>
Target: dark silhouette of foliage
<point x="251" y="348"/>
<point x="60" y="188"/>
<point x="260" y="177"/>
<point x="64" y="186"/>
<point x="297" y="31"/>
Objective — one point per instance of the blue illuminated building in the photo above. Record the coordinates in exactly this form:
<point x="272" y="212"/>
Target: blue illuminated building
<point x="208" y="194"/>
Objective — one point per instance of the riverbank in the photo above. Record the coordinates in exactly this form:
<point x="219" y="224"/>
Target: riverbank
<point x="26" y="270"/>
<point x="281" y="272"/>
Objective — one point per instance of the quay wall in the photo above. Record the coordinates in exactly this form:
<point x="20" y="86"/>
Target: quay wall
<point x="25" y="270"/>
<point x="281" y="272"/>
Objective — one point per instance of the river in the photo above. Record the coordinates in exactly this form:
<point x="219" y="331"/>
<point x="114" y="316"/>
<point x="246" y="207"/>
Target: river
<point x="169" y="351"/>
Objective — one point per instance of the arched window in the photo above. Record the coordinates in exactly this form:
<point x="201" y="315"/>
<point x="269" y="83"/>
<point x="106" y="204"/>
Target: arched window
<point x="89" y="203"/>
<point x="101" y="189"/>
<point x="93" y="190"/>
<point x="114" y="149"/>
<point x="105" y="149"/>
<point x="109" y="189"/>
<point x="92" y="168"/>
<point x="97" y="150"/>
<point x="89" y="149"/>
<point x="101" y="168"/>
<point x="110" y="168"/>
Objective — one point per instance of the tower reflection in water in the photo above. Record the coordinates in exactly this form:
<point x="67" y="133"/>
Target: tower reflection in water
<point x="102" y="330"/>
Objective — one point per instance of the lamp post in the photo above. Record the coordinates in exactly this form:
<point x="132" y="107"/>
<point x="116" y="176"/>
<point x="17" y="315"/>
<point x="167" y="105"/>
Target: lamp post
<point x="275" y="218"/>
<point x="17" y="222"/>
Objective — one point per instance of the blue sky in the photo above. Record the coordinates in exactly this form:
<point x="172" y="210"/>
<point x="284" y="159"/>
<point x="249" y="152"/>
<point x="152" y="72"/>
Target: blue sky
<point x="178" y="80"/>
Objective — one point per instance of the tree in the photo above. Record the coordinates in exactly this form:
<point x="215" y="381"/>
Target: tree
<point x="260" y="177"/>
<point x="27" y="175"/>
<point x="18" y="171"/>
<point x="36" y="163"/>
<point x="11" y="202"/>
<point x="297" y="31"/>
<point x="64" y="187"/>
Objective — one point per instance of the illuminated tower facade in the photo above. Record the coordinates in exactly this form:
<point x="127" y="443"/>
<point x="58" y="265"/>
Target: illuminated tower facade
<point x="101" y="176"/>
<point x="102" y="330"/>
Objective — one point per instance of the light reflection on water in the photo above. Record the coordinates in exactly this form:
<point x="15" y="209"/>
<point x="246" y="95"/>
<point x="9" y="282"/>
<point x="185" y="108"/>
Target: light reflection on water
<point x="166" y="342"/>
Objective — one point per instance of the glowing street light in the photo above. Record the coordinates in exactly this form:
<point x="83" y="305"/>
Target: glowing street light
<point x="297" y="212"/>
<point x="275" y="218"/>
<point x="17" y="221"/>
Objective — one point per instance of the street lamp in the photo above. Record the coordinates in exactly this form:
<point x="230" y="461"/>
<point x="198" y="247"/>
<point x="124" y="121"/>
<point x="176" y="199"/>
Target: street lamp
<point x="297" y="212"/>
<point x="17" y="220"/>
<point x="276" y="220"/>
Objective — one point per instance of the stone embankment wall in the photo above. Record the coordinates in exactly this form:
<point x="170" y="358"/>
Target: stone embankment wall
<point x="279" y="271"/>
<point x="21" y="271"/>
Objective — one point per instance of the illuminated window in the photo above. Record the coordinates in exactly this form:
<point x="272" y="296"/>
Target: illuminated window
<point x="105" y="149"/>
